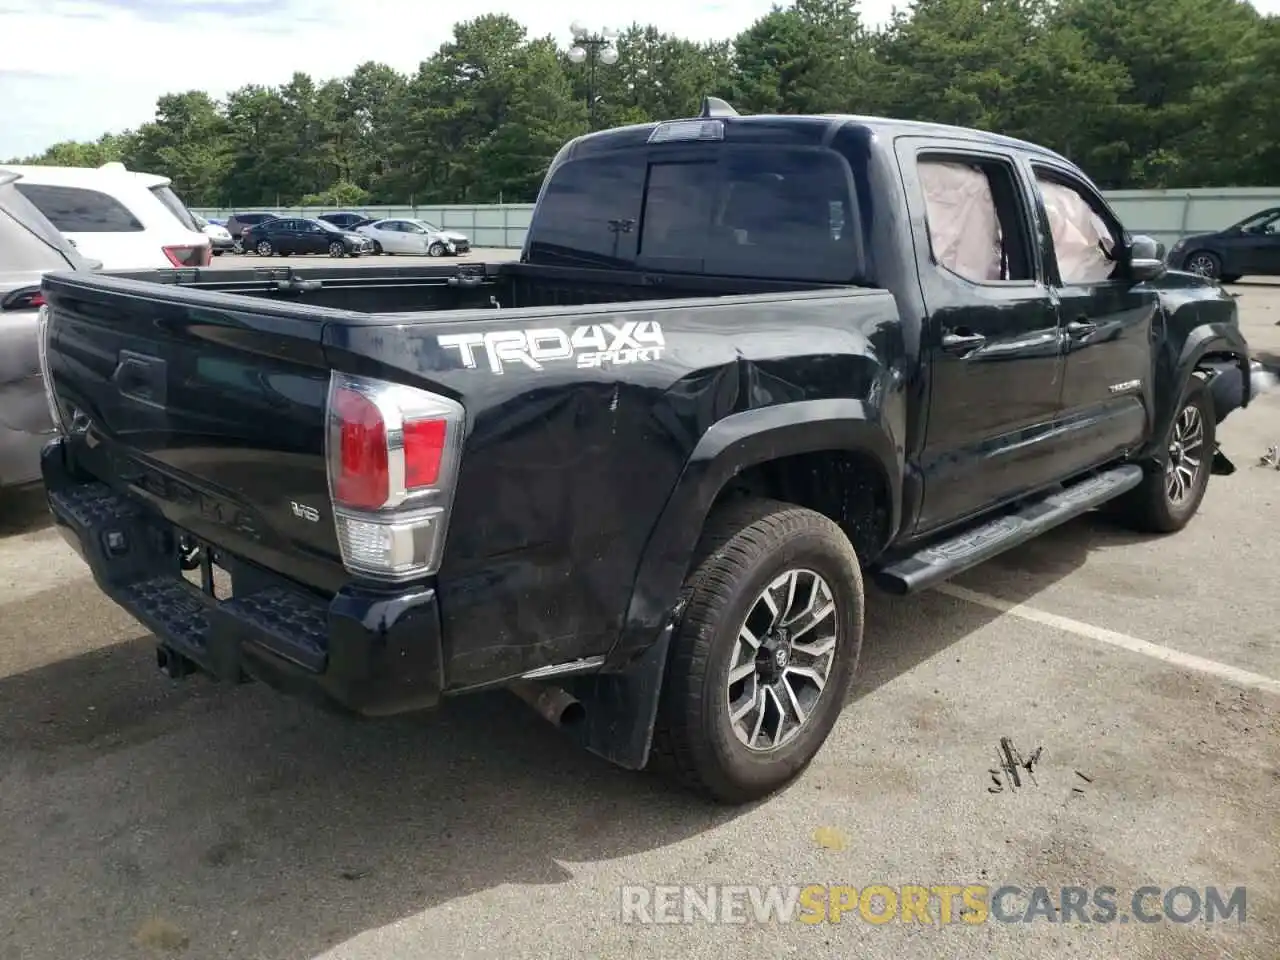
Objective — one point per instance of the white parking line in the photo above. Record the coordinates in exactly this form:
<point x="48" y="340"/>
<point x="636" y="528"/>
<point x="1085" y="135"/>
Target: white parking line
<point x="1177" y="658"/>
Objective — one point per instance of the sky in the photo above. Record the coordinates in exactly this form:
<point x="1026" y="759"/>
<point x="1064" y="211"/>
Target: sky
<point x="97" y="65"/>
<point x="75" y="69"/>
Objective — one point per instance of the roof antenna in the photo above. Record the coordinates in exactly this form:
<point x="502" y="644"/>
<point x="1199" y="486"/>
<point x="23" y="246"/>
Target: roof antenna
<point x="715" y="107"/>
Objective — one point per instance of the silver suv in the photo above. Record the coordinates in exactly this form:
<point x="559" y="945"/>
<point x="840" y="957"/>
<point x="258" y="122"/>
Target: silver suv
<point x="30" y="246"/>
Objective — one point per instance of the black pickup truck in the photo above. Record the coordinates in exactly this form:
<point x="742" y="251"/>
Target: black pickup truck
<point x="640" y="475"/>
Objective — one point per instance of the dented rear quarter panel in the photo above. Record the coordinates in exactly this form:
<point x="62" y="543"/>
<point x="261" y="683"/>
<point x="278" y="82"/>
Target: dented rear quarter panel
<point x="568" y="470"/>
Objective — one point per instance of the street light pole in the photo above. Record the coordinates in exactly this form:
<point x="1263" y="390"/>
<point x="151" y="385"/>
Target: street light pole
<point x="592" y="47"/>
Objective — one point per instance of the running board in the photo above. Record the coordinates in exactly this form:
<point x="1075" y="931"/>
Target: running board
<point x="944" y="560"/>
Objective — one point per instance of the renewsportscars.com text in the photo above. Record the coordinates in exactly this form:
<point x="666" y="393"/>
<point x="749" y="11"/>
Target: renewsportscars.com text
<point x="941" y="904"/>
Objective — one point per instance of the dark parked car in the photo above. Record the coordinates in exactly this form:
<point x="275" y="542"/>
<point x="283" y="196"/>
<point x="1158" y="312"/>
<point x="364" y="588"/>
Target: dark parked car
<point x="646" y="493"/>
<point x="1248" y="248"/>
<point x="30" y="246"/>
<point x="289" y="235"/>
<point x="347" y="221"/>
<point x="238" y="223"/>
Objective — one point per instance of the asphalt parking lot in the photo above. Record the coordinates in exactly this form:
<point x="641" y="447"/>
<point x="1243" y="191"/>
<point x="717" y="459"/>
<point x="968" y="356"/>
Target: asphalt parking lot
<point x="144" y="818"/>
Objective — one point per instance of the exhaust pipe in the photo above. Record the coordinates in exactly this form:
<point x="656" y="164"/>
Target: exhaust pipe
<point x="554" y="704"/>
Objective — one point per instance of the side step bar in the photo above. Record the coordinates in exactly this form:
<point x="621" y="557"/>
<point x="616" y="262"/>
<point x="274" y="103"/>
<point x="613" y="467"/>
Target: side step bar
<point x="941" y="561"/>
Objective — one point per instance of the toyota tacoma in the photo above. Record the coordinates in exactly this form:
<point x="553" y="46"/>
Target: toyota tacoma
<point x="743" y="367"/>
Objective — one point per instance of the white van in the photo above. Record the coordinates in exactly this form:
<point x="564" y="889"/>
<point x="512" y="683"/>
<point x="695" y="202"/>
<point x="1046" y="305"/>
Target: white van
<point x="127" y="220"/>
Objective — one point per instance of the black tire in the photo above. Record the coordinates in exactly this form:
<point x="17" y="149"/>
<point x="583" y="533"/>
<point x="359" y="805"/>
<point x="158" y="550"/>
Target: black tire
<point x="436" y="249"/>
<point x="1204" y="263"/>
<point x="337" y="250"/>
<point x="1151" y="507"/>
<point x="745" y="547"/>
<point x="1229" y="277"/>
<point x="377" y="249"/>
<point x="217" y="253"/>
<point x="264" y="248"/>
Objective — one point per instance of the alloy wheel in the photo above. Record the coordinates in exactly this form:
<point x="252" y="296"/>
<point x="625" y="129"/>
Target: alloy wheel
<point x="1204" y="265"/>
<point x="1186" y="455"/>
<point x="782" y="658"/>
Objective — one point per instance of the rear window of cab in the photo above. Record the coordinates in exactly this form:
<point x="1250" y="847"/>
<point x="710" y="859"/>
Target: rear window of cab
<point x="761" y="211"/>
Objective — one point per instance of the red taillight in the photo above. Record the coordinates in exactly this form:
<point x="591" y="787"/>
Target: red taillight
<point x="423" y="450"/>
<point x="364" y="477"/>
<point x="393" y="455"/>
<point x="182" y="255"/>
<point x="29" y="298"/>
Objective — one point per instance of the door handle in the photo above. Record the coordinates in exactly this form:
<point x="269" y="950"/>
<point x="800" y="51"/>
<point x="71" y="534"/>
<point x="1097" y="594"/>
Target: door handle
<point x="1081" y="328"/>
<point x="956" y="341"/>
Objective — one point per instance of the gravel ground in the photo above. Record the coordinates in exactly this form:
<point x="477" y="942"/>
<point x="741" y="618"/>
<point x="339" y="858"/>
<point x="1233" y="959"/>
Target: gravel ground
<point x="150" y="819"/>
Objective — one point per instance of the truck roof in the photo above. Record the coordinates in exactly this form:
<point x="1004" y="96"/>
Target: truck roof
<point x="803" y="128"/>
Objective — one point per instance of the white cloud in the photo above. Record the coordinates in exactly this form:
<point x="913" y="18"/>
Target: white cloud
<point x="98" y="65"/>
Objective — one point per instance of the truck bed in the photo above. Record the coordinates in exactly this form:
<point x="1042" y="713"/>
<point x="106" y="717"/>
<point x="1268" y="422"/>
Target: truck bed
<point x="202" y="397"/>
<point x="395" y="289"/>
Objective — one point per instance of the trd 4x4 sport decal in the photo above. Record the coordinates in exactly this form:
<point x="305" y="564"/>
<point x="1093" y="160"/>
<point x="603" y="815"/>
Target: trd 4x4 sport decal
<point x="595" y="345"/>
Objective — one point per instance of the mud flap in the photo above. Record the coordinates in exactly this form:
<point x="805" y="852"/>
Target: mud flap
<point x="1221" y="466"/>
<point x="622" y="707"/>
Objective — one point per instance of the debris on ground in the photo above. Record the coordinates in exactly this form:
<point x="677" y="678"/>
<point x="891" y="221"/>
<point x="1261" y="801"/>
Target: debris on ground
<point x="1010" y="763"/>
<point x="1271" y="458"/>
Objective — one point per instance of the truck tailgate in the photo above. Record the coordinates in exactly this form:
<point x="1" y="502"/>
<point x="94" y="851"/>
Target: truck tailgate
<point x="212" y="412"/>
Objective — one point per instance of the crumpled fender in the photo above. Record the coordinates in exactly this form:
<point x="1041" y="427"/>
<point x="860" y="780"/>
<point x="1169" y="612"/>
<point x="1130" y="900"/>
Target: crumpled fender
<point x="729" y="447"/>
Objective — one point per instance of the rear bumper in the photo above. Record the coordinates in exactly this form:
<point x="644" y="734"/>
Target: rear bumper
<point x="371" y="652"/>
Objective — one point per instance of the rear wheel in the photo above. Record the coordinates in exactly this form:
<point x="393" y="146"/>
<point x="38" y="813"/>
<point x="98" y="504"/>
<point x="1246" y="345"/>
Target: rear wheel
<point x="1172" y="491"/>
<point x="765" y="653"/>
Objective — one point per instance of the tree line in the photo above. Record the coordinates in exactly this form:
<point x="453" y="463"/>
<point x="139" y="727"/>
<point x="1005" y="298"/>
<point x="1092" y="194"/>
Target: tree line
<point x="1140" y="93"/>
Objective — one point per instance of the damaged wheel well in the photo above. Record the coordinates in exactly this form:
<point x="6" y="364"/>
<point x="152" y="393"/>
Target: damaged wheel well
<point x="846" y="486"/>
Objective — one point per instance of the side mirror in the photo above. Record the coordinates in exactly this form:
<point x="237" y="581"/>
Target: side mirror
<point x="1146" y="259"/>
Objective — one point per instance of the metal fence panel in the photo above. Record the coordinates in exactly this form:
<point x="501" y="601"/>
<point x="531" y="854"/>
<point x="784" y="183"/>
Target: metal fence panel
<point x="1166" y="215"/>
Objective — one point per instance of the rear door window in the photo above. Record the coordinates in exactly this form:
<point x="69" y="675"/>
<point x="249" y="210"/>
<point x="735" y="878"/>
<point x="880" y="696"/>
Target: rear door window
<point x="79" y="210"/>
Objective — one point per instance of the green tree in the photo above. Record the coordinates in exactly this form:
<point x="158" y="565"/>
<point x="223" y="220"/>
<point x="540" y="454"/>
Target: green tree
<point x="1139" y="92"/>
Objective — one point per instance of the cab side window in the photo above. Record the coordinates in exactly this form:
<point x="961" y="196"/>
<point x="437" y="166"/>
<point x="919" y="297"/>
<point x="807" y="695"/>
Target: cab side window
<point x="1084" y="243"/>
<point x="975" y="219"/>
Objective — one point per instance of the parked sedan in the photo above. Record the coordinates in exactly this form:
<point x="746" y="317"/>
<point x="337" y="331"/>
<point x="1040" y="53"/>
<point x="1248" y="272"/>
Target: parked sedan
<point x="239" y="224"/>
<point x="290" y="236"/>
<point x="218" y="235"/>
<point x="1248" y="248"/>
<point x="412" y="236"/>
